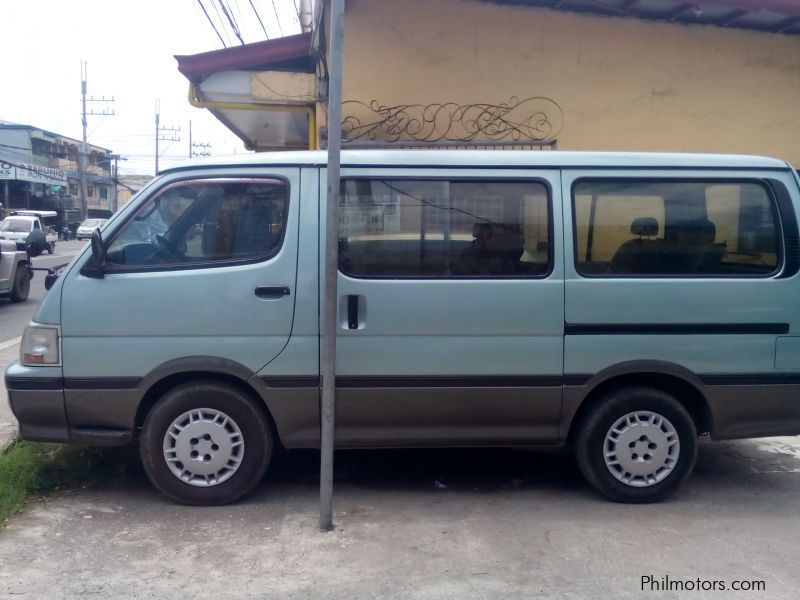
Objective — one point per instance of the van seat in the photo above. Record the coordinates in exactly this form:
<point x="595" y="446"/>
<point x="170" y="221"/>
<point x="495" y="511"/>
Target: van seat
<point x="695" y="250"/>
<point x="637" y="255"/>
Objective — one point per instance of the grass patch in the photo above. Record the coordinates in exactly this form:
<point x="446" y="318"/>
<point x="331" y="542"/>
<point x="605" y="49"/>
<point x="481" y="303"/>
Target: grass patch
<point x="32" y="469"/>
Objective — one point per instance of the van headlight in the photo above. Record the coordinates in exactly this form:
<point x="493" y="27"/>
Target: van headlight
<point x="39" y="345"/>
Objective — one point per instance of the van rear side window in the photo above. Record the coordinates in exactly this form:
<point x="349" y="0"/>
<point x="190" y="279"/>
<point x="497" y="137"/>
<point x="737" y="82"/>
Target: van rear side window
<point x="444" y="229"/>
<point x="675" y="228"/>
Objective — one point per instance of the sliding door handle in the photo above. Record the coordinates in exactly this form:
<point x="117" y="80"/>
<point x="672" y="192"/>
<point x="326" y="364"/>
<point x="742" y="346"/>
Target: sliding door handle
<point x="272" y="292"/>
<point x="352" y="311"/>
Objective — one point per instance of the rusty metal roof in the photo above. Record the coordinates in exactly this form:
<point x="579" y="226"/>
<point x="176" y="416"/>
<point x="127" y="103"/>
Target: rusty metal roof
<point x="774" y="16"/>
<point x="291" y="53"/>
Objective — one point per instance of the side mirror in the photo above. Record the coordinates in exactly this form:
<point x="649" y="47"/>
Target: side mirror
<point x="35" y="243"/>
<point x="97" y="267"/>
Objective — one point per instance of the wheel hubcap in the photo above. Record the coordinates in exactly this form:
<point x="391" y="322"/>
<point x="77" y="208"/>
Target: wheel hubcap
<point x="203" y="447"/>
<point x="641" y="448"/>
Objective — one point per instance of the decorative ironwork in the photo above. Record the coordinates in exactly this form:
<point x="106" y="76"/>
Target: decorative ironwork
<point x="517" y="121"/>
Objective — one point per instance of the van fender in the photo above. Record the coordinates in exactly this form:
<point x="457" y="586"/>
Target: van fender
<point x="581" y="390"/>
<point x="153" y="385"/>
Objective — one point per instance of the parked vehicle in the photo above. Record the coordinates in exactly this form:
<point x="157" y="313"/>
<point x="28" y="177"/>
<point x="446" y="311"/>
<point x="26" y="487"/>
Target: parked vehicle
<point x="20" y="223"/>
<point x="86" y="229"/>
<point x="15" y="267"/>
<point x="621" y="304"/>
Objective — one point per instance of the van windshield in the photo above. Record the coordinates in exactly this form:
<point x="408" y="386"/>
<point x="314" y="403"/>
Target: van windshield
<point x="11" y="225"/>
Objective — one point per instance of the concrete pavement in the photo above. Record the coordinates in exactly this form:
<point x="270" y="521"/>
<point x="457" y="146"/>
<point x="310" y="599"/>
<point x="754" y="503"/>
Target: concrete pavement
<point x="426" y="524"/>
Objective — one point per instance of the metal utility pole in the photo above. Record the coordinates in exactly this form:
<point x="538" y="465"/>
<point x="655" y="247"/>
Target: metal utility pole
<point x="115" y="180"/>
<point x="170" y="134"/>
<point x="83" y="157"/>
<point x="197" y="148"/>
<point x="328" y="404"/>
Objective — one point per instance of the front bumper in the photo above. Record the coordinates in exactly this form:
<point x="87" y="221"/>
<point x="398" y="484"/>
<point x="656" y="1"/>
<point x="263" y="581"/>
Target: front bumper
<point x="38" y="398"/>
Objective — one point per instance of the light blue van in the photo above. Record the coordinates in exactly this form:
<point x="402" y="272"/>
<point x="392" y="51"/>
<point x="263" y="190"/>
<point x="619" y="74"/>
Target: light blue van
<point x="622" y="304"/>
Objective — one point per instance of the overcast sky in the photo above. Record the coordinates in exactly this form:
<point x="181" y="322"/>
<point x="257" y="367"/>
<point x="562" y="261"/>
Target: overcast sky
<point x="129" y="47"/>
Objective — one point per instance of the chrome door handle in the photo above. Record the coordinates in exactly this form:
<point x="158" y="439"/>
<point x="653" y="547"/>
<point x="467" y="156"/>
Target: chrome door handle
<point x="272" y="292"/>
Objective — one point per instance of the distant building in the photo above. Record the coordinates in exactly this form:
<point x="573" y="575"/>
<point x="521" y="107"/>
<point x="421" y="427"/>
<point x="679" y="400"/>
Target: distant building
<point x="128" y="185"/>
<point x="39" y="170"/>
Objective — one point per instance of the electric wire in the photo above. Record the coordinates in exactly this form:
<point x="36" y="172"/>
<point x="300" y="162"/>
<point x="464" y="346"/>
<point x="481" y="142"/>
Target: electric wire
<point x="214" y="27"/>
<point x="236" y="13"/>
<point x="221" y="22"/>
<point x="277" y="18"/>
<point x="231" y="20"/>
<point x="260" y="22"/>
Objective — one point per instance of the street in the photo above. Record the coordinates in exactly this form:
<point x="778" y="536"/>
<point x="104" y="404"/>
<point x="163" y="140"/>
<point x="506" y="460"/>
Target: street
<point x="14" y="317"/>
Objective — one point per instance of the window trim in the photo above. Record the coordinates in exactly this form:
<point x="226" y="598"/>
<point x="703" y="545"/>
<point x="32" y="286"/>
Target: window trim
<point x="114" y="269"/>
<point x="766" y="184"/>
<point x="470" y="179"/>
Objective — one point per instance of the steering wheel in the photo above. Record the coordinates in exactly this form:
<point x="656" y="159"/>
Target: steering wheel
<point x="167" y="247"/>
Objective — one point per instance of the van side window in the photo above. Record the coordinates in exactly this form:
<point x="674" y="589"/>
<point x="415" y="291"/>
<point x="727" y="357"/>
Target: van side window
<point x="677" y="228"/>
<point x="409" y="228"/>
<point x="198" y="222"/>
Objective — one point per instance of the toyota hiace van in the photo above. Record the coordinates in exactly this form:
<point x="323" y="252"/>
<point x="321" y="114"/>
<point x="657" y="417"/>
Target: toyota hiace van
<point x="620" y="304"/>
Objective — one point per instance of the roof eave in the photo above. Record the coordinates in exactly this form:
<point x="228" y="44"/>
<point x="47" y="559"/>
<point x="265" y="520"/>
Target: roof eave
<point x="196" y="67"/>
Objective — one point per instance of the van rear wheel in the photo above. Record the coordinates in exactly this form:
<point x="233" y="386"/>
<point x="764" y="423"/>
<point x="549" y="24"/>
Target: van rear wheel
<point x="637" y="445"/>
<point x="205" y="443"/>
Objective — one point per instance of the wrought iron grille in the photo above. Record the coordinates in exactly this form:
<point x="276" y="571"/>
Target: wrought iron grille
<point x="531" y="123"/>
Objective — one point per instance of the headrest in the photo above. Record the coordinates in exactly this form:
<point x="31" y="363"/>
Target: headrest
<point x="644" y="226"/>
<point x="699" y="231"/>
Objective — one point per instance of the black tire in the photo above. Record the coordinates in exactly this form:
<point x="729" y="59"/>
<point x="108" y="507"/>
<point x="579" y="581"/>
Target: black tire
<point x="212" y="397"/>
<point x="673" y="462"/>
<point x="51" y="247"/>
<point x="22" y="284"/>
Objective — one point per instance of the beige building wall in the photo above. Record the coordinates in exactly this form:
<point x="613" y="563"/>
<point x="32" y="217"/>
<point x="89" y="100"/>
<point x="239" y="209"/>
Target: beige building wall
<point x="623" y="84"/>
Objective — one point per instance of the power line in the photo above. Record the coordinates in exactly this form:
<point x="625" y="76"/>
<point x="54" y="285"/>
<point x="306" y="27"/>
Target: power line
<point x="221" y="21"/>
<point x="231" y="20"/>
<point x="236" y="13"/>
<point x="214" y="27"/>
<point x="231" y="12"/>
<point x="277" y="19"/>
<point x="260" y="22"/>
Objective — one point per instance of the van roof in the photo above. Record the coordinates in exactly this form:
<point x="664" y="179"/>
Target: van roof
<point x="493" y="158"/>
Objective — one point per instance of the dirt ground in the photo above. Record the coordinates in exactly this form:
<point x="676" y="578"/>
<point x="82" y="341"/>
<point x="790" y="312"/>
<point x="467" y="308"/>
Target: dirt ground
<point x="428" y="524"/>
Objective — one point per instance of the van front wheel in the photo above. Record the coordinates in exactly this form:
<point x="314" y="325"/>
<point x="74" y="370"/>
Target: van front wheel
<point x="205" y="443"/>
<point x="637" y="445"/>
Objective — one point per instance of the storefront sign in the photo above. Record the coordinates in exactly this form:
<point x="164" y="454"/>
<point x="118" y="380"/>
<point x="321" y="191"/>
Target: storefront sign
<point x="40" y="174"/>
<point x="7" y="171"/>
